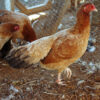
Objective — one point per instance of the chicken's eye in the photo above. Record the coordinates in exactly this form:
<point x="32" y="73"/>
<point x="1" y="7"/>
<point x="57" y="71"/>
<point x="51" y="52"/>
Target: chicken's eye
<point x="92" y="7"/>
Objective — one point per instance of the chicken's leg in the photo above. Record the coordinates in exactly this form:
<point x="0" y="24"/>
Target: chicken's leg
<point x="69" y="72"/>
<point x="59" y="80"/>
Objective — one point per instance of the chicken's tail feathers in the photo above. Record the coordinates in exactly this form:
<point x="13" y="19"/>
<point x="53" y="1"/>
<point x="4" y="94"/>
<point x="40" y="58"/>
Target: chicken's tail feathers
<point x="32" y="53"/>
<point x="16" y="60"/>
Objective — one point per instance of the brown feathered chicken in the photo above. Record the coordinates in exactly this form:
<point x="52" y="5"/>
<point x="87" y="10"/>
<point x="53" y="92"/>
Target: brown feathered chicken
<point x="58" y="51"/>
<point x="25" y="32"/>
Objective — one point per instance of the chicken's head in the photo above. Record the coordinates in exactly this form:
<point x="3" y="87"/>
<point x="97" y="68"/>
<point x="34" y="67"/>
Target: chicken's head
<point x="7" y="30"/>
<point x="89" y="7"/>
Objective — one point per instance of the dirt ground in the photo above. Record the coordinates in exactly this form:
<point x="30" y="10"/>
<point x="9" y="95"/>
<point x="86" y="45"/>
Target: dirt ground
<point x="36" y="83"/>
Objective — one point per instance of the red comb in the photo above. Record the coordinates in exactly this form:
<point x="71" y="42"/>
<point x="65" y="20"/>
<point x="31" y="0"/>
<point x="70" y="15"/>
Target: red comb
<point x="16" y="27"/>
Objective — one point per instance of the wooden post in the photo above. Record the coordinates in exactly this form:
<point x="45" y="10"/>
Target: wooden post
<point x="22" y="8"/>
<point x="40" y="8"/>
<point x="76" y="2"/>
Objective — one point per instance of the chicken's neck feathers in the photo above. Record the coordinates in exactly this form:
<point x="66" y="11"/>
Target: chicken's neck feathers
<point x="83" y="22"/>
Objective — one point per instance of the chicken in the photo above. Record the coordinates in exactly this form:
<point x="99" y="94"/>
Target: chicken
<point x="6" y="32"/>
<point x="25" y="32"/>
<point x="58" y="51"/>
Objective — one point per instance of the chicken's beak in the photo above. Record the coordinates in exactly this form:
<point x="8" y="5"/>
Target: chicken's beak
<point x="95" y="10"/>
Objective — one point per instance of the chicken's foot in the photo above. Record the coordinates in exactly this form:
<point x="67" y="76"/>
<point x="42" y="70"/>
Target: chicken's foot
<point x="59" y="80"/>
